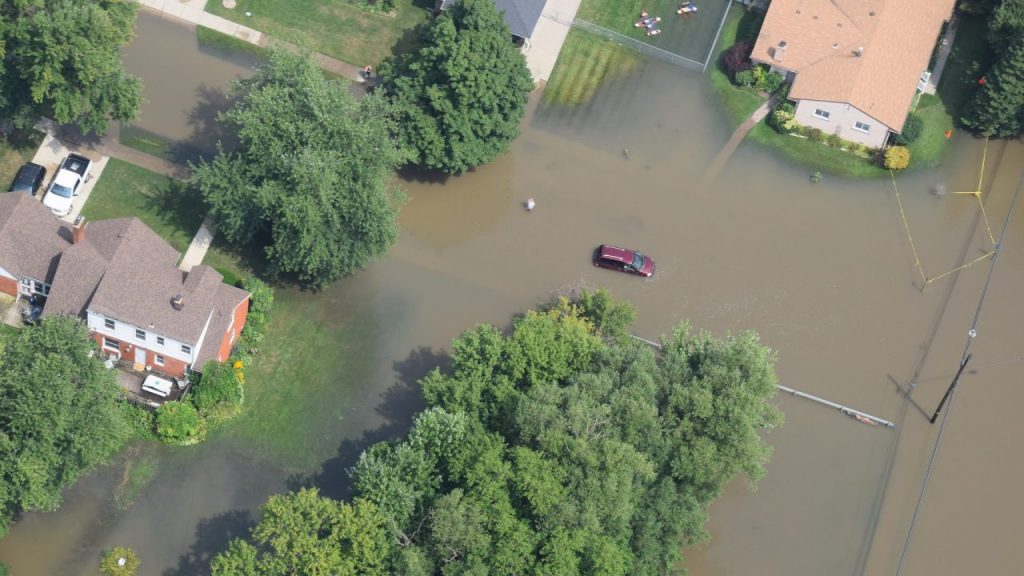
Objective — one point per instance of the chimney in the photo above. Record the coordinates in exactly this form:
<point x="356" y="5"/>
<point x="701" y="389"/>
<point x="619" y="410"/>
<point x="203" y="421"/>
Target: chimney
<point x="780" y="50"/>
<point x="78" y="230"/>
<point x="178" y="302"/>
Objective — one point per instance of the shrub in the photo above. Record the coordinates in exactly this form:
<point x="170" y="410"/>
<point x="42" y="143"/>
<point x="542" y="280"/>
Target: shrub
<point x="912" y="129"/>
<point x="178" y="424"/>
<point x="771" y="81"/>
<point x="815" y="135"/>
<point x="897" y="157"/>
<point x="737" y="59"/>
<point x="4" y="571"/>
<point x="783" y="119"/>
<point x="219" y="387"/>
<point x="835" y="141"/>
<point x="139" y="420"/>
<point x="120" y="561"/>
<point x="744" y="78"/>
<point x="261" y="297"/>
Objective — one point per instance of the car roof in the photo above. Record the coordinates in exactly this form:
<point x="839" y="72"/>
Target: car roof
<point x="30" y="169"/>
<point x="616" y="253"/>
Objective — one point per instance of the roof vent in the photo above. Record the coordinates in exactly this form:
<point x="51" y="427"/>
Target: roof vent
<point x="859" y="51"/>
<point x="178" y="302"/>
<point x="835" y="46"/>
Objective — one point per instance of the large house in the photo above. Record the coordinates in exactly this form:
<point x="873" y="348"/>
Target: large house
<point x="855" y="65"/>
<point x="123" y="281"/>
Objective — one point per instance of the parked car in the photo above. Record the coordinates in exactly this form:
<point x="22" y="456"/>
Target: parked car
<point x="623" y="260"/>
<point x="73" y="172"/>
<point x="30" y="177"/>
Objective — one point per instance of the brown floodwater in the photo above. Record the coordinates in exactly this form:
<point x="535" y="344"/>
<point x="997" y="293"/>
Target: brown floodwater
<point x="822" y="271"/>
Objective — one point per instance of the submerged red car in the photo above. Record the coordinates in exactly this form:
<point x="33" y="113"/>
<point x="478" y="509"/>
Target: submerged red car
<point x="623" y="260"/>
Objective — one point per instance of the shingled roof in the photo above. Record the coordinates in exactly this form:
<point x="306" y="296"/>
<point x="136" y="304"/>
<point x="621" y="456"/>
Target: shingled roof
<point x="124" y="271"/>
<point x="868" y="53"/>
<point x="31" y="239"/>
<point x="521" y="16"/>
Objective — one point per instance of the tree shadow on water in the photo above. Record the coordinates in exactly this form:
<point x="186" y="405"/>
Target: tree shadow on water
<point x="212" y="537"/>
<point x="207" y="129"/>
<point x="399" y="406"/>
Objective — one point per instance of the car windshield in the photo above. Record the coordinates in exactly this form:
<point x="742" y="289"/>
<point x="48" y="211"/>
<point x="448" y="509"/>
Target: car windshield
<point x="61" y="190"/>
<point x="638" y="261"/>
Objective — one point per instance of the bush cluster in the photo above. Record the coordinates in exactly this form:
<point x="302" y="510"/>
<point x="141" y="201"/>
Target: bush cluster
<point x="783" y="118"/>
<point x="897" y="158"/>
<point x="261" y="300"/>
<point x="759" y="78"/>
<point x="737" y="59"/>
<point x="179" y="424"/>
<point x="218" y="394"/>
<point x="111" y="564"/>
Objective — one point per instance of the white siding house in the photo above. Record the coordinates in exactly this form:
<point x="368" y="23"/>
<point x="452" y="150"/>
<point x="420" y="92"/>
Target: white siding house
<point x="842" y="119"/>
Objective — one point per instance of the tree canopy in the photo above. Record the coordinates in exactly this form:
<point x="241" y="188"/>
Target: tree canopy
<point x="60" y="414"/>
<point x="309" y="181"/>
<point x="560" y="449"/>
<point x="304" y="534"/>
<point x="62" y="58"/>
<point x="460" y="96"/>
<point x="997" y="108"/>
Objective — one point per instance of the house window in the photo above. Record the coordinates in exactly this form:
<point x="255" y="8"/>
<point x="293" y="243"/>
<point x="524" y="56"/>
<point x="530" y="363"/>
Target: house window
<point x="186" y="349"/>
<point x="140" y="334"/>
<point x="862" y="127"/>
<point x="111" y="343"/>
<point x="823" y="114"/>
<point x="160" y="340"/>
<point x="159" y="360"/>
<point x="40" y="288"/>
<point x="108" y="323"/>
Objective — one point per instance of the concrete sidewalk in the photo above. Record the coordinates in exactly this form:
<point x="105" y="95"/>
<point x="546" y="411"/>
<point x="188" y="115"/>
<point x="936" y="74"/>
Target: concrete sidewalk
<point x="193" y="12"/>
<point x="200" y="244"/>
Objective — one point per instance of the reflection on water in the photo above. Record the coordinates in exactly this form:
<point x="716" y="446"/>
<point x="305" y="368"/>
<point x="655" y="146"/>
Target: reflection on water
<point x="822" y="271"/>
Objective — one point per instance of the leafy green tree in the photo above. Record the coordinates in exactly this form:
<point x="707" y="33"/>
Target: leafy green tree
<point x="303" y="534"/>
<point x="998" y="107"/>
<point x="309" y="181"/>
<point x="62" y="58"/>
<point x="60" y="414"/>
<point x="1006" y="24"/>
<point x="556" y="450"/>
<point x="460" y="96"/>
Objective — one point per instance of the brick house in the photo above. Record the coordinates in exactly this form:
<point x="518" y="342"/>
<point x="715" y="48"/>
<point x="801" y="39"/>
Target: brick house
<point x="123" y="281"/>
<point x="855" y="65"/>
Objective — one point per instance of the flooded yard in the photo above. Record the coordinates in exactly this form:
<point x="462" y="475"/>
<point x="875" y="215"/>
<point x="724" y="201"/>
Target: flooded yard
<point x="823" y="271"/>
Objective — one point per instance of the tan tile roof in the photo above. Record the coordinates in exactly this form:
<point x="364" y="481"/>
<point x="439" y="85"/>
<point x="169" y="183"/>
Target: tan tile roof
<point x="31" y="238"/>
<point x="895" y="39"/>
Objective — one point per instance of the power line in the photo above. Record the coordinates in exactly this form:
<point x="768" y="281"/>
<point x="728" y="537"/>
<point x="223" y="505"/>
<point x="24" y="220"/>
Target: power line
<point x="963" y="360"/>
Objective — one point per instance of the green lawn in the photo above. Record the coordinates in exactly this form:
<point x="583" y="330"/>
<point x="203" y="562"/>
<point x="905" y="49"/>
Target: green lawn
<point x="145" y="141"/>
<point x="332" y="27"/>
<point x="739" y="103"/>
<point x="312" y="356"/>
<point x="927" y="150"/>
<point x="816" y="155"/>
<point x="619" y="15"/>
<point x="586" y="60"/>
<point x="166" y="205"/>
<point x="15" y="150"/>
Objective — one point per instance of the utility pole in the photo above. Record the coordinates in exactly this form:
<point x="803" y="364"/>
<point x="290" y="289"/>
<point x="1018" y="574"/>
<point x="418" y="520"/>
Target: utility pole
<point x="952" y="386"/>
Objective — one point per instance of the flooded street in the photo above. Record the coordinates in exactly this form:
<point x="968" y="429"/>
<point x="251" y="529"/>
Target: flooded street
<point x="823" y="272"/>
